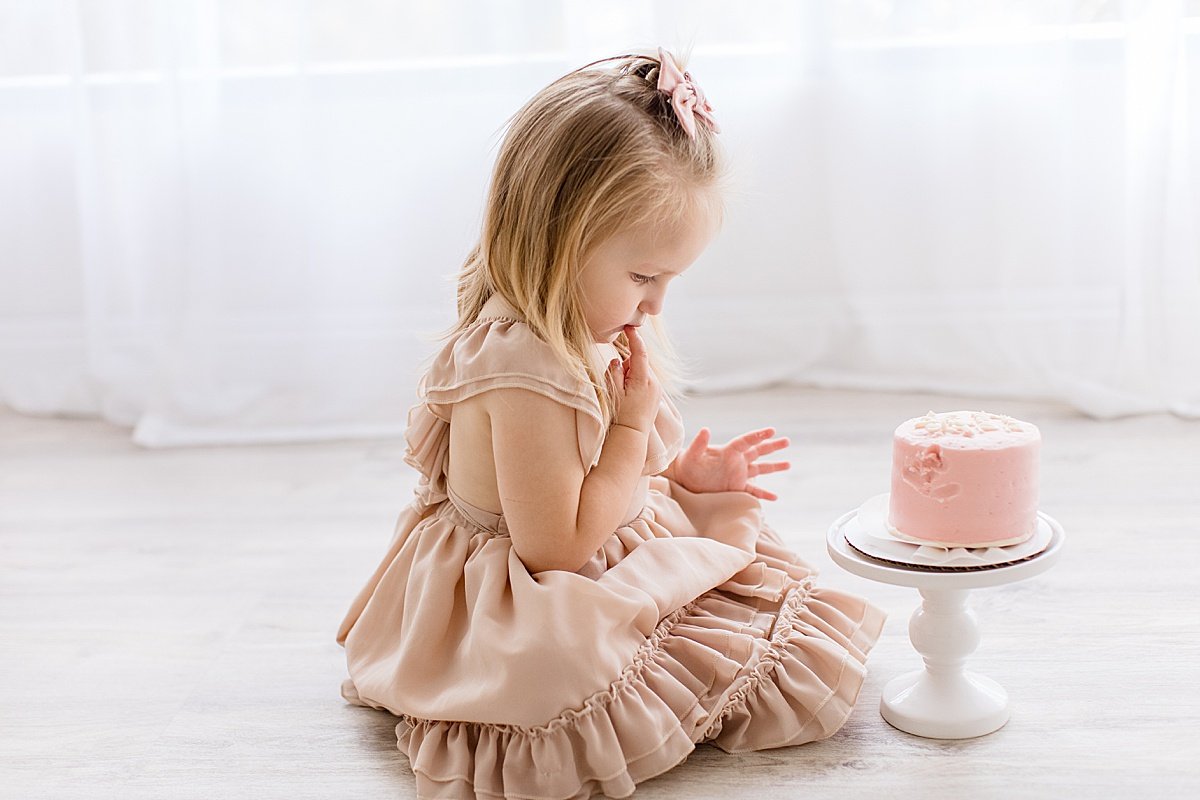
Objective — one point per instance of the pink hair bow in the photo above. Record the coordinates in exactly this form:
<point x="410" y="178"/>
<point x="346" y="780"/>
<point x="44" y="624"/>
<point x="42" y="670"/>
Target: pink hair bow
<point x="686" y="97"/>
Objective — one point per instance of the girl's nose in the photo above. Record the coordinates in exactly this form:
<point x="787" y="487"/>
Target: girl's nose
<point x="652" y="306"/>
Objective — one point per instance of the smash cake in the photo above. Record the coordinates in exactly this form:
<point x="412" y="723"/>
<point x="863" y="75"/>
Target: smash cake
<point x="964" y="479"/>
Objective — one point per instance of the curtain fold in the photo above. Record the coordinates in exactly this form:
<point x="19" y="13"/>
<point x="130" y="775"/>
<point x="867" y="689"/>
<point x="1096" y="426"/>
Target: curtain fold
<point x="239" y="222"/>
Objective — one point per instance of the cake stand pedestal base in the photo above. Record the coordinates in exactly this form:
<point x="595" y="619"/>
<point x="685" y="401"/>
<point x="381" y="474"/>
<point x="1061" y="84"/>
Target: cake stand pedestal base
<point x="944" y="700"/>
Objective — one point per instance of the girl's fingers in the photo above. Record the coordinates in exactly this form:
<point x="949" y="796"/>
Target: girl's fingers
<point x="637" y="365"/>
<point x="770" y="466"/>
<point x="617" y="375"/>
<point x="748" y="440"/>
<point x="767" y="447"/>
<point x="637" y="347"/>
<point x="700" y="443"/>
<point x="761" y="494"/>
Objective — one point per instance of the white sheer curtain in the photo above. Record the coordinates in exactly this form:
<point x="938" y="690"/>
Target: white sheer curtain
<point x="238" y="220"/>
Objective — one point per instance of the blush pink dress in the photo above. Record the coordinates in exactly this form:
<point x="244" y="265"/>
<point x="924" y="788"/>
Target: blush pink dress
<point x="692" y="623"/>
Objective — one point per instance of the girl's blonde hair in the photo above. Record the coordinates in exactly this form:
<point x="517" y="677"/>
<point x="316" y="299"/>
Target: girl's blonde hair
<point x="595" y="151"/>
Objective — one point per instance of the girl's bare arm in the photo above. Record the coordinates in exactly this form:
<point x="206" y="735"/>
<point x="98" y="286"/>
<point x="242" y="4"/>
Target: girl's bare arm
<point x="557" y="516"/>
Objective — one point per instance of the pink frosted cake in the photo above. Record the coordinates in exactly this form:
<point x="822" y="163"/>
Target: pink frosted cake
<point x="964" y="479"/>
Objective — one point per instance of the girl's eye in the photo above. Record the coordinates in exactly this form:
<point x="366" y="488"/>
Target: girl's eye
<point x="642" y="278"/>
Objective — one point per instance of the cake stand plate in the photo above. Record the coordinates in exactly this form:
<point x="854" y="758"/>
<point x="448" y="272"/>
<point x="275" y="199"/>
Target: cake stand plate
<point x="944" y="700"/>
<point x="869" y="533"/>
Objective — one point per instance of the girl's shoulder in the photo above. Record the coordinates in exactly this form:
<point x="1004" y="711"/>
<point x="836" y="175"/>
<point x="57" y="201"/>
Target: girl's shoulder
<point x="499" y="350"/>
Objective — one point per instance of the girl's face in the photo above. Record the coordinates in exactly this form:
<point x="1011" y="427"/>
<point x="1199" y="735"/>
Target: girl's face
<point x="625" y="277"/>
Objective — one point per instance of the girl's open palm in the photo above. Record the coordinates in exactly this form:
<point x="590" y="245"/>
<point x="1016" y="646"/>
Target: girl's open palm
<point x="729" y="467"/>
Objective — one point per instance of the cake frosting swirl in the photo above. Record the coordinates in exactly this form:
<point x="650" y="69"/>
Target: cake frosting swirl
<point x="964" y="479"/>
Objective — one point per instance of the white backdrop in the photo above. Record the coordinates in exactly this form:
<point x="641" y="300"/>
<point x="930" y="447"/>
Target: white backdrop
<point x="238" y="220"/>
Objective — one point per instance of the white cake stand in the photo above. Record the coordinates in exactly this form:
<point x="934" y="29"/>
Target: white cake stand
<point x="943" y="700"/>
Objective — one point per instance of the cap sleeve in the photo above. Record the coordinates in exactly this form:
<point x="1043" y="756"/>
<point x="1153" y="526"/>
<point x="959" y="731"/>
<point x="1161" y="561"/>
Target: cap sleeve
<point x="505" y="353"/>
<point x="501" y="353"/>
<point x="494" y="354"/>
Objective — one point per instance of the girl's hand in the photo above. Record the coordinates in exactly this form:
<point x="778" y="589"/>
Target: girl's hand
<point x="729" y="467"/>
<point x="637" y="388"/>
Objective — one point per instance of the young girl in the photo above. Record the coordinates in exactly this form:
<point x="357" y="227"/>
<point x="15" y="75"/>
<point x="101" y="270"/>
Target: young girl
<point x="574" y="600"/>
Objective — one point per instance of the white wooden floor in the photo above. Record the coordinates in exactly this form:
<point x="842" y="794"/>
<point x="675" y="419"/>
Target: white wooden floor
<point x="167" y="618"/>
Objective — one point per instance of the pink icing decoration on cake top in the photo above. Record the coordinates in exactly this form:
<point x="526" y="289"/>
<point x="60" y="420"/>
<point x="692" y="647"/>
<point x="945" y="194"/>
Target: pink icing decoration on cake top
<point x="965" y="478"/>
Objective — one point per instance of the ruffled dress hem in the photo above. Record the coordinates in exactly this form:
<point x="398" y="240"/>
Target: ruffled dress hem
<point x="802" y="687"/>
